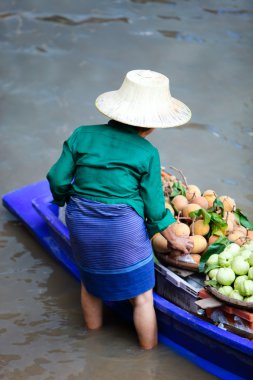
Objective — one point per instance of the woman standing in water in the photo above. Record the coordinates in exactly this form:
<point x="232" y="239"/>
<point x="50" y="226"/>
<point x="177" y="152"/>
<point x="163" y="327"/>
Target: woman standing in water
<point x="109" y="175"/>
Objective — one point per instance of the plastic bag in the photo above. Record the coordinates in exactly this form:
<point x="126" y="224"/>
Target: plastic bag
<point x="186" y="259"/>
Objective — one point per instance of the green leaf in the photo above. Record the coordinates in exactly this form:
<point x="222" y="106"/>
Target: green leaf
<point x="217" y="247"/>
<point x="178" y="189"/>
<point x="201" y="212"/>
<point x="210" y="267"/>
<point x="218" y="224"/>
<point x="243" y="220"/>
<point x="216" y="230"/>
<point x="218" y="219"/>
<point x="222" y="240"/>
<point x="218" y="203"/>
<point x="212" y="283"/>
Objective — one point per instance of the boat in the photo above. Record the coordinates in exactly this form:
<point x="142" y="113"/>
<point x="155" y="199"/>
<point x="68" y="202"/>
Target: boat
<point x="217" y="351"/>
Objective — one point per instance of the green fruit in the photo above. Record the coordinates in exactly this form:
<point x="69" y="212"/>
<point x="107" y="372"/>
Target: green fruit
<point x="250" y="260"/>
<point x="246" y="288"/>
<point x="248" y="299"/>
<point x="249" y="245"/>
<point x="250" y="273"/>
<point x="225" y="290"/>
<point x="238" y="280"/>
<point x="240" y="266"/>
<point x="236" y="295"/>
<point x="225" y="276"/>
<point x="225" y="259"/>
<point x="232" y="248"/>
<point x="212" y="274"/>
<point x="213" y="259"/>
<point x="245" y="253"/>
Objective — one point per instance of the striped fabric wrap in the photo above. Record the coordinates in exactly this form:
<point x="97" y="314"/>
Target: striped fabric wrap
<point x="111" y="248"/>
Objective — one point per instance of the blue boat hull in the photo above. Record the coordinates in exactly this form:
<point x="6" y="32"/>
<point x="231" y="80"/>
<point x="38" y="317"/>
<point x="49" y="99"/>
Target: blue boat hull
<point x="219" y="352"/>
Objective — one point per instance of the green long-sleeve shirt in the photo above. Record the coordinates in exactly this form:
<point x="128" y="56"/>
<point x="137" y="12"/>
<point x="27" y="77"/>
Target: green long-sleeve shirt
<point x="111" y="163"/>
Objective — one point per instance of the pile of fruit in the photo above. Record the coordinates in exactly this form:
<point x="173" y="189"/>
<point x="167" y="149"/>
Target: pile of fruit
<point x="231" y="271"/>
<point x="205" y="217"/>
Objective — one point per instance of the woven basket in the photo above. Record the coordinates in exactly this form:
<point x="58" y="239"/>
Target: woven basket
<point x="166" y="260"/>
<point x="231" y="301"/>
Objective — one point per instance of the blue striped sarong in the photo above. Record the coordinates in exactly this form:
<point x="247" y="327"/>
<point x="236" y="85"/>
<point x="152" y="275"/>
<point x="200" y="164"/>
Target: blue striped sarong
<point x="111" y="248"/>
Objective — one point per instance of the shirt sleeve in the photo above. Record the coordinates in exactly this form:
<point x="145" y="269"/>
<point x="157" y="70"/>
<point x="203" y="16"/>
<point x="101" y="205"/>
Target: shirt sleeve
<point x="157" y="216"/>
<point x="61" y="174"/>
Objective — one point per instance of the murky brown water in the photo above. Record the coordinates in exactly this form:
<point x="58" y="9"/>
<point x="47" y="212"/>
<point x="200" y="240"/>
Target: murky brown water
<point x="56" y="57"/>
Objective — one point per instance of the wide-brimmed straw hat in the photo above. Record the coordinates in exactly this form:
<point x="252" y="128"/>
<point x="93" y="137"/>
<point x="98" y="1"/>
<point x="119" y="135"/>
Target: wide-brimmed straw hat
<point x="144" y="100"/>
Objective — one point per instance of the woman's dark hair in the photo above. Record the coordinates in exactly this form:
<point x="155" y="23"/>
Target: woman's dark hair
<point x="119" y="124"/>
<point x="141" y="129"/>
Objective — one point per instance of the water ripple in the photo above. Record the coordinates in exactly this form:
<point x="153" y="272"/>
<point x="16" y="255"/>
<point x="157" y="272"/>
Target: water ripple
<point x="68" y="21"/>
<point x="181" y="37"/>
<point x="7" y="15"/>
<point x="229" y="11"/>
<point x="169" y="17"/>
<point x="154" y="1"/>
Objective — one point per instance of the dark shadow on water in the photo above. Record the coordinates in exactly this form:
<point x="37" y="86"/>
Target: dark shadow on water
<point x="169" y="33"/>
<point x="92" y="20"/>
<point x="228" y="11"/>
<point x="181" y="37"/>
<point x="41" y="49"/>
<point x="154" y="1"/>
<point x="7" y="14"/>
<point x="169" y="17"/>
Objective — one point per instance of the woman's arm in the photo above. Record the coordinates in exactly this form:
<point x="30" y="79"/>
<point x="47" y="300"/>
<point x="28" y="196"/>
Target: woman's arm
<point x="61" y="174"/>
<point x="159" y="219"/>
<point x="178" y="243"/>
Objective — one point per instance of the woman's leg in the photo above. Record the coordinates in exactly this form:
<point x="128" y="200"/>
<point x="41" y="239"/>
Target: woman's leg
<point x="145" y="319"/>
<point x="92" y="309"/>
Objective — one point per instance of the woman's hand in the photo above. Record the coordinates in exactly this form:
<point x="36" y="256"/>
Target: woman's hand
<point x="182" y="244"/>
<point x="177" y="243"/>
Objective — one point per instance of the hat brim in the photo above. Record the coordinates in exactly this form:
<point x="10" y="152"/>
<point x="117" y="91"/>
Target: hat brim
<point x="111" y="105"/>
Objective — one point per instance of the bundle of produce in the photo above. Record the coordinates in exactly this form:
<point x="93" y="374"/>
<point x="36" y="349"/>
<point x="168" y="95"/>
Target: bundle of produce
<point x="211" y="221"/>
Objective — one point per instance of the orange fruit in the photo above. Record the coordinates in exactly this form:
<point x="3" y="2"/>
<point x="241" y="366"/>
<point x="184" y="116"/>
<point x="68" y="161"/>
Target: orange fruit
<point x="228" y="203"/>
<point x="199" y="242"/>
<point x="210" y="196"/>
<point x="212" y="239"/>
<point x="201" y="201"/>
<point x="179" y="202"/>
<point x="241" y="229"/>
<point x="189" y="208"/>
<point x="159" y="243"/>
<point x="237" y="237"/>
<point x="192" y="191"/>
<point x="181" y="229"/>
<point x="199" y="227"/>
<point x="230" y="216"/>
<point x="250" y="234"/>
<point x="230" y="227"/>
